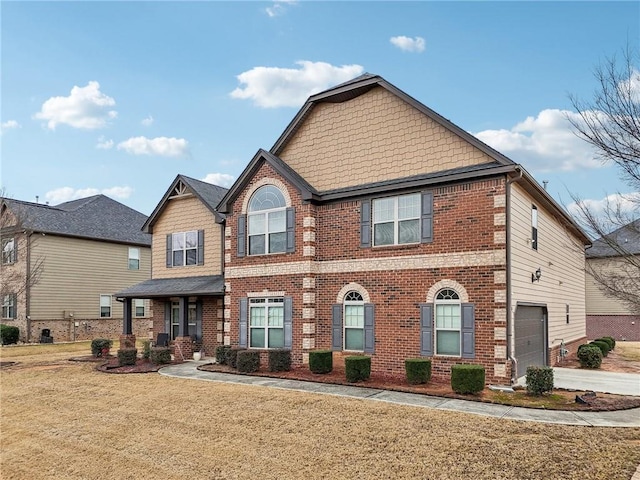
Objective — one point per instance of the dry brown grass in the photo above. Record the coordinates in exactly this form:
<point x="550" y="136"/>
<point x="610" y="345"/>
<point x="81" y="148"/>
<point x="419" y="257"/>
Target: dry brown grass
<point x="65" y="420"/>
<point x="628" y="350"/>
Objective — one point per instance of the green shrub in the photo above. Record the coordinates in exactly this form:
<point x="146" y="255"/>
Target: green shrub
<point x="127" y="356"/>
<point x="247" y="361"/>
<point x="279" y="360"/>
<point x="221" y="354"/>
<point x="418" y="370"/>
<point x="539" y="380"/>
<point x="232" y="356"/>
<point x="99" y="344"/>
<point x="146" y="349"/>
<point x="467" y="378"/>
<point x="160" y="355"/>
<point x="590" y="356"/>
<point x="612" y="341"/>
<point x="602" y="345"/>
<point x="357" y="367"/>
<point x="321" y="361"/>
<point x="9" y="334"/>
<point x="608" y="340"/>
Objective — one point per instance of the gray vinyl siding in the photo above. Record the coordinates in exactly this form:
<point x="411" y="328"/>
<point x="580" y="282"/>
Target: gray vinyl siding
<point x="77" y="271"/>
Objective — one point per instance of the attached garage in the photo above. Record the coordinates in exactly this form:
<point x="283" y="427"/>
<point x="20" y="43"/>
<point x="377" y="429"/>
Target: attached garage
<point x="530" y="337"/>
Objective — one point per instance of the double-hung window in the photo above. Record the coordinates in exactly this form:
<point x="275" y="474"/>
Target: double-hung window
<point x="134" y="258"/>
<point x="396" y="220"/>
<point x="8" y="251"/>
<point x="534" y="227"/>
<point x="267" y="221"/>
<point x="105" y="306"/>
<point x="266" y="323"/>
<point x="138" y="304"/>
<point x="353" y="322"/>
<point x="185" y="248"/>
<point x="9" y="306"/>
<point x="448" y="323"/>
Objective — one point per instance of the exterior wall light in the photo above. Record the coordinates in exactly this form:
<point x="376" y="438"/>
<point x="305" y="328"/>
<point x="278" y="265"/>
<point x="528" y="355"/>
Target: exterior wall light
<point x="535" y="277"/>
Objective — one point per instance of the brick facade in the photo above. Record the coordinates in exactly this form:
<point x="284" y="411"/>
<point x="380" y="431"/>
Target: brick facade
<point x="620" y="327"/>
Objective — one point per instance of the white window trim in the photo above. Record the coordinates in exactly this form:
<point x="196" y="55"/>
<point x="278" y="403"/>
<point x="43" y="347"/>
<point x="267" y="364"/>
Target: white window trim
<point x="12" y="255"/>
<point x="345" y="304"/>
<point x="267" y="232"/>
<point x="139" y="302"/>
<point x="445" y="329"/>
<point x="135" y="256"/>
<point x="534" y="227"/>
<point x="184" y="250"/>
<point x="396" y="221"/>
<point x="8" y="306"/>
<point x="266" y="303"/>
<point x="176" y="322"/>
<point x="104" y="295"/>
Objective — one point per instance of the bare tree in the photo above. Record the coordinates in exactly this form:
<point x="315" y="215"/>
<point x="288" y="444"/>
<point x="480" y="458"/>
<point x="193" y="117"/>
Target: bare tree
<point x="610" y="123"/>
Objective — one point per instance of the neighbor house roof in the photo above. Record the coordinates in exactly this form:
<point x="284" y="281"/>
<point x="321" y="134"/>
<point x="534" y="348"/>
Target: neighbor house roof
<point x="175" y="287"/>
<point x="98" y="217"/>
<point x="208" y="193"/>
<point x="627" y="238"/>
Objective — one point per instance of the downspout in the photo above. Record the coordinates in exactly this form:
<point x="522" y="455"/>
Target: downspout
<point x="27" y="290"/>
<point x="510" y="328"/>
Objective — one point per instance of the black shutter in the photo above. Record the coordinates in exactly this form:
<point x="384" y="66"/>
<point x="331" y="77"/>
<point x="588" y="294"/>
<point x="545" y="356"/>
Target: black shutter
<point x="291" y="229"/>
<point x="288" y="322"/>
<point x="199" y="320"/>
<point x="200" y="247"/>
<point x="427" y="218"/>
<point x="14" y="302"/>
<point x="426" y="329"/>
<point x="336" y="327"/>
<point x="369" y="328"/>
<point x="365" y="223"/>
<point x="467" y="332"/>
<point x="244" y="313"/>
<point x="242" y="235"/>
<point x="169" y="251"/>
<point x="167" y="319"/>
<point x="15" y="249"/>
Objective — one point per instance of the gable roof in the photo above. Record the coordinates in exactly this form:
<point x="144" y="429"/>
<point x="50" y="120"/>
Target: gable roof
<point x="98" y="217"/>
<point x="208" y="193"/>
<point x="626" y="237"/>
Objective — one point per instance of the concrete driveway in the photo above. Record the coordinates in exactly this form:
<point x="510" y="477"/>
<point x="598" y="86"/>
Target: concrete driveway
<point x="597" y="381"/>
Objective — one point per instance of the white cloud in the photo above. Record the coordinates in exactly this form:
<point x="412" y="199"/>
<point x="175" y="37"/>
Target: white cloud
<point x="631" y="85"/>
<point x="104" y="144"/>
<point x="9" y="125"/>
<point x="278" y="8"/>
<point x="65" y="194"/>
<point x="159" y="146"/>
<point x="86" y="107"/>
<point x="271" y="87"/>
<point x="147" y="121"/>
<point x="544" y="143"/>
<point x="627" y="204"/>
<point x="408" y="44"/>
<point x="220" y="179"/>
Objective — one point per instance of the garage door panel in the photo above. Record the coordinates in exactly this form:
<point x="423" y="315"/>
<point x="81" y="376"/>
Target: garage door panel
<point x="529" y="338"/>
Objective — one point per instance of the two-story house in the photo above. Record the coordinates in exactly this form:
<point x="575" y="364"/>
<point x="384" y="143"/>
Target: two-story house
<point x="186" y="286"/>
<point x="61" y="264"/>
<point x="374" y="225"/>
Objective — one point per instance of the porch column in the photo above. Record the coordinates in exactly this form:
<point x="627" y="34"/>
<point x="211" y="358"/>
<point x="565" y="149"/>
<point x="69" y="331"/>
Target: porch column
<point x="182" y="343"/>
<point x="127" y="324"/>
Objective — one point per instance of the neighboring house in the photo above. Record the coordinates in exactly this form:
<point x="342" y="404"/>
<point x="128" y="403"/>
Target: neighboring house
<point x="61" y="264"/>
<point x="607" y="315"/>
<point x="186" y="285"/>
<point x="375" y="226"/>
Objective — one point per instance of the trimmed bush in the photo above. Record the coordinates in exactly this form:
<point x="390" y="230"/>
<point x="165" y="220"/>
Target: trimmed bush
<point x="612" y="341"/>
<point x="9" y="334"/>
<point x="590" y="356"/>
<point x="539" y="380"/>
<point x="160" y="355"/>
<point x="357" y="368"/>
<point x="418" y="370"/>
<point x="127" y="356"/>
<point x="232" y="356"/>
<point x="602" y="345"/>
<point x="608" y="340"/>
<point x="248" y="361"/>
<point x="99" y="344"/>
<point x="321" y="361"/>
<point x="467" y="378"/>
<point x="221" y="354"/>
<point x="279" y="360"/>
<point x="146" y="349"/>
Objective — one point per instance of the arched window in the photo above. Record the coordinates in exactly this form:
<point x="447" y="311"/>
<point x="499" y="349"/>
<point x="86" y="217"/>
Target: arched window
<point x="448" y="321"/>
<point x="267" y="219"/>
<point x="353" y="321"/>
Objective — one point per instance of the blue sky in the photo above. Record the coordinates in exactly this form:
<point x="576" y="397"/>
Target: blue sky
<point x="120" y="97"/>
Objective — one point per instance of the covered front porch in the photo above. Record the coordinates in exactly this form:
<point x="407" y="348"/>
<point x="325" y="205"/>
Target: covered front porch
<point x="187" y="313"/>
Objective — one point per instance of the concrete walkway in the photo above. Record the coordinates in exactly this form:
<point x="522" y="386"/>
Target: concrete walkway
<point x="597" y="381"/>
<point x="622" y="418"/>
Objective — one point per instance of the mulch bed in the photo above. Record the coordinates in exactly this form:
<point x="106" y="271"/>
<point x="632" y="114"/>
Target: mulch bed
<point x="109" y="364"/>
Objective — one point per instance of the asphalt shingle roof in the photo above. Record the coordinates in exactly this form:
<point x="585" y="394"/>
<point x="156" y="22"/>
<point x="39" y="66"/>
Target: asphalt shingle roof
<point x="98" y="217"/>
<point x="627" y="237"/>
<point x="175" y="287"/>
